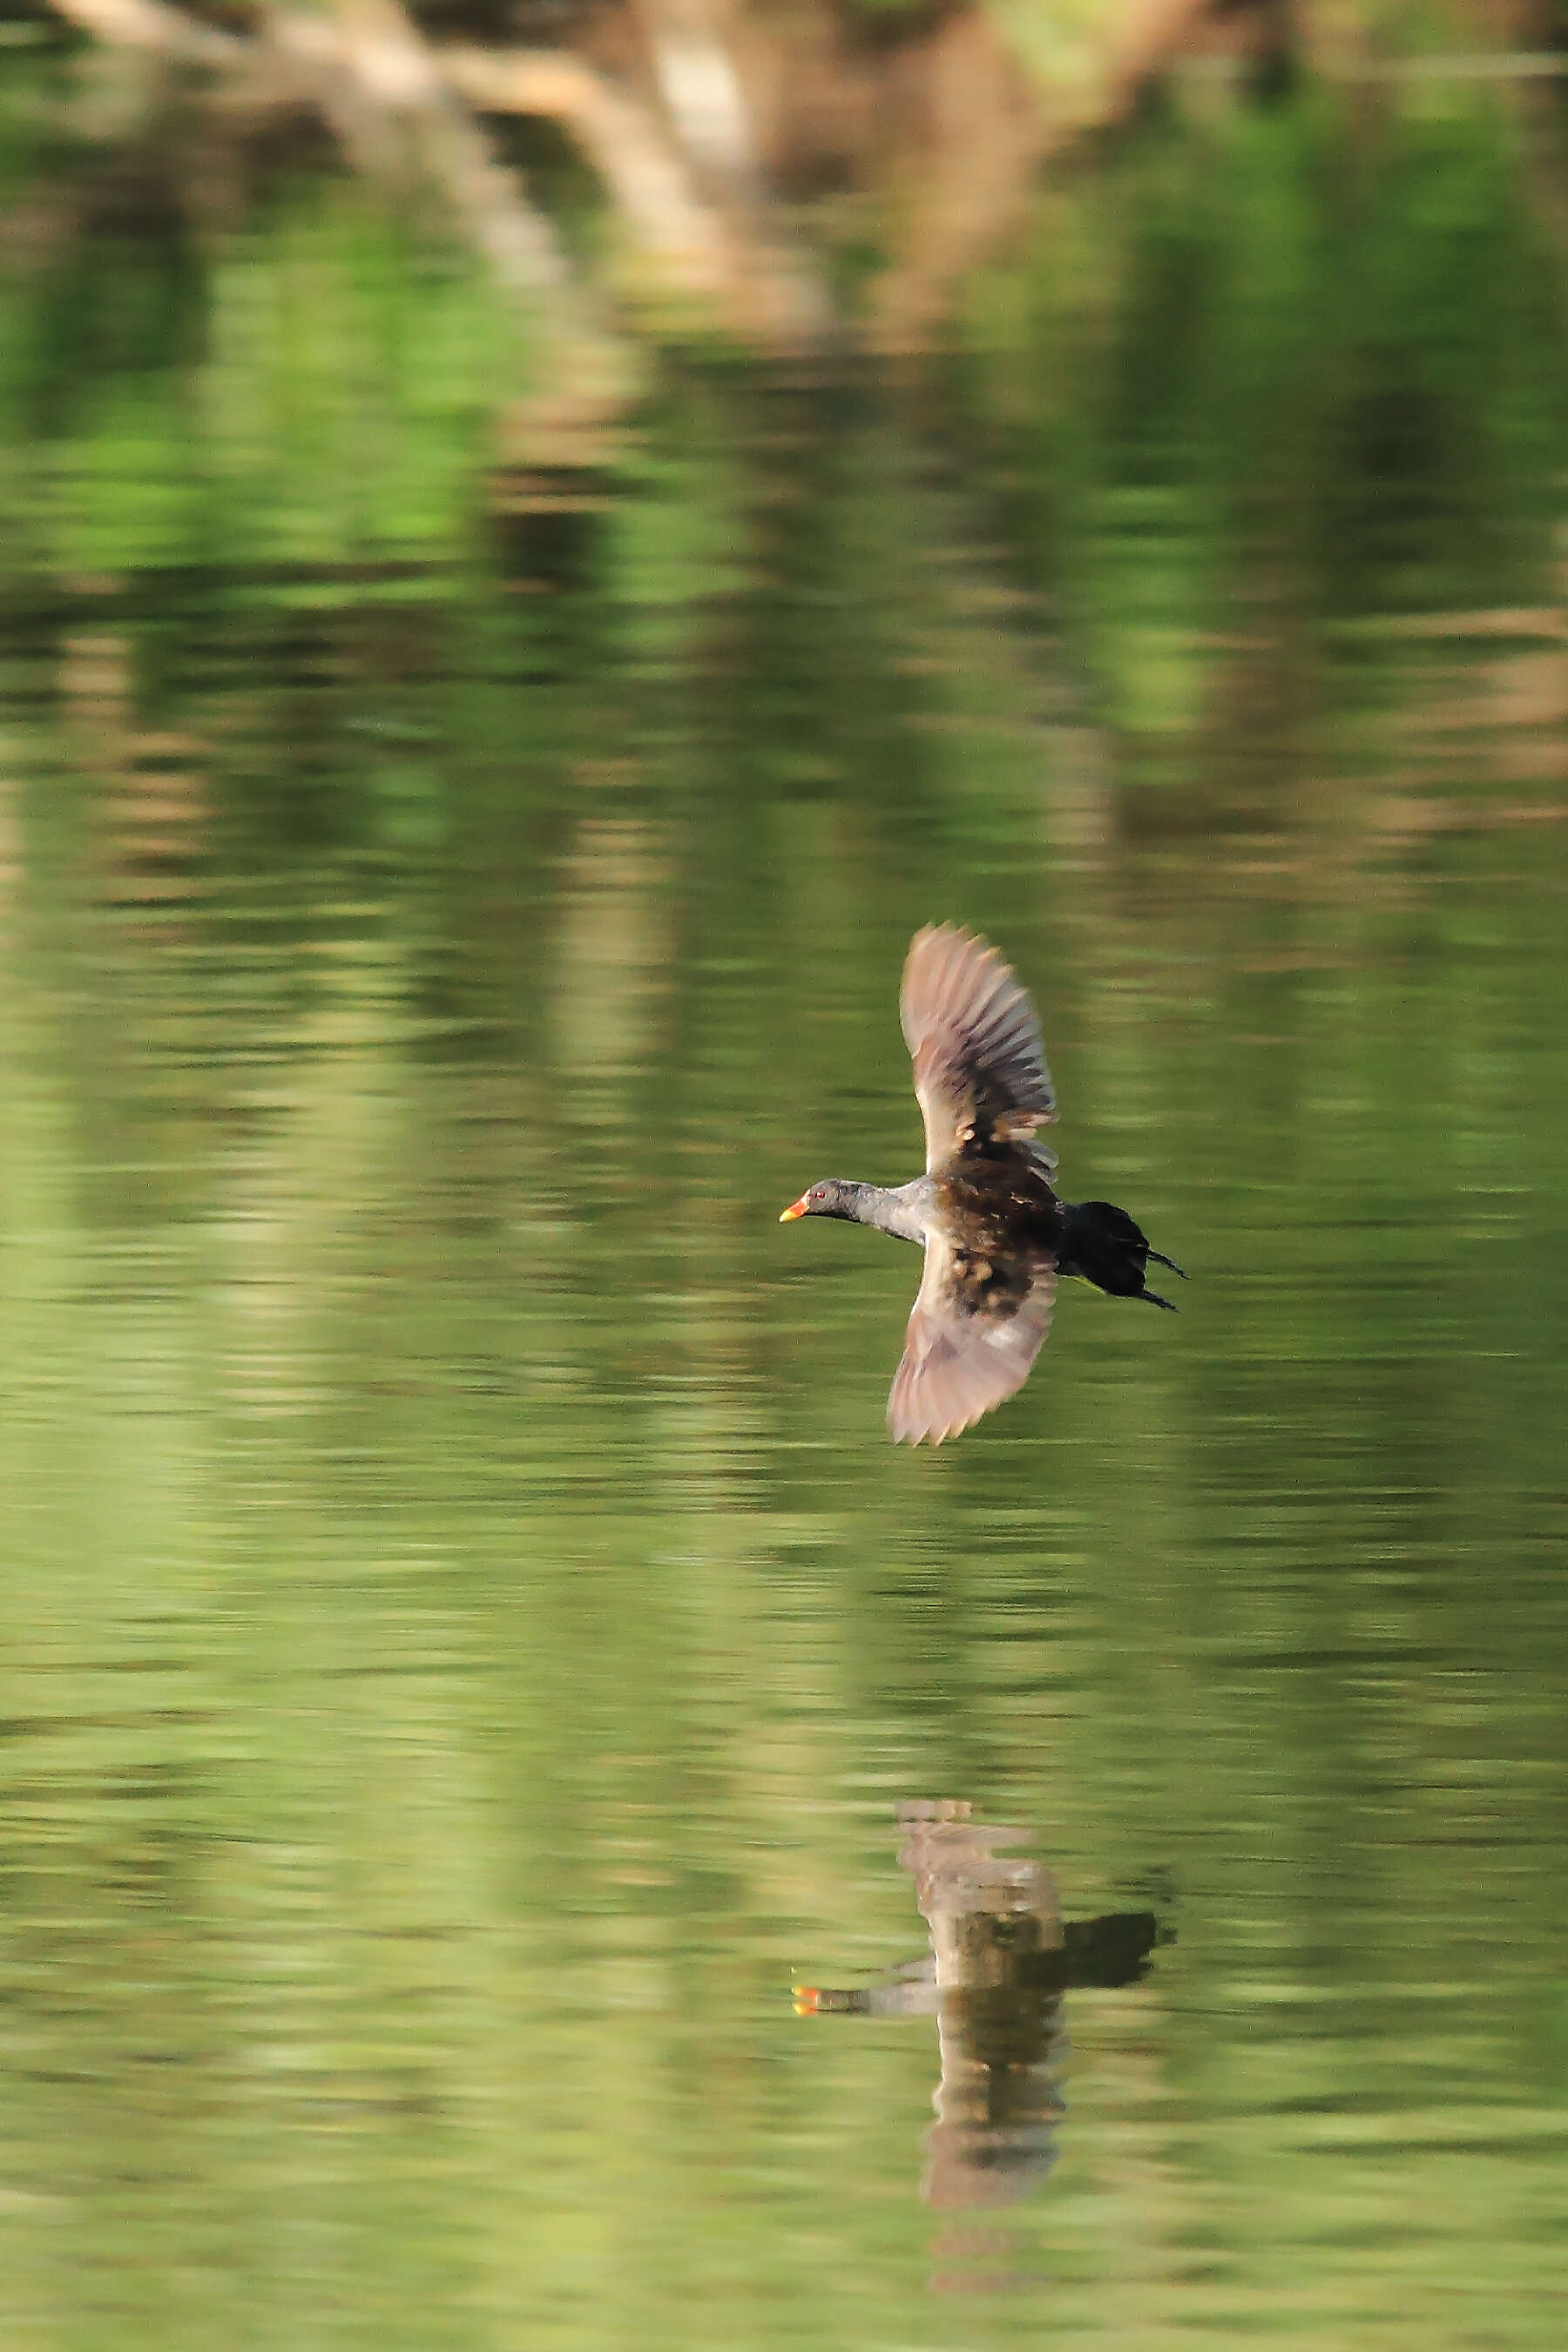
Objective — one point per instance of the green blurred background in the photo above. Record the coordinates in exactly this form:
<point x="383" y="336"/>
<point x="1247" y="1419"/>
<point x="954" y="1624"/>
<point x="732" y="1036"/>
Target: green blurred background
<point x="463" y="1632"/>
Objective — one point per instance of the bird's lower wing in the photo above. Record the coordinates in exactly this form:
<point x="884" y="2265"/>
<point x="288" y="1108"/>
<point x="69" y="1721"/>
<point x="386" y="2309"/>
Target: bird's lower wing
<point x="971" y="1338"/>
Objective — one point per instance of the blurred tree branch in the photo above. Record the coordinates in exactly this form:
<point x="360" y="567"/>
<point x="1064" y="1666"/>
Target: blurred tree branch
<point x="149" y="24"/>
<point x="379" y="86"/>
<point x="691" y="112"/>
<point x="692" y="249"/>
<point x="405" y="112"/>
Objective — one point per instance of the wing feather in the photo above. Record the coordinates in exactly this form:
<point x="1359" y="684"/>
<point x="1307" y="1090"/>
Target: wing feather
<point x="979" y="1060"/>
<point x="971" y="1337"/>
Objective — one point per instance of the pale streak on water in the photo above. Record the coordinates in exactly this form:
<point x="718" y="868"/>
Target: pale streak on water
<point x="465" y="1634"/>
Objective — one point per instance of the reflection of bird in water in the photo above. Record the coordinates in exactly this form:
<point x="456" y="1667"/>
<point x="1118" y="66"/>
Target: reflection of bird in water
<point x="997" y="1236"/>
<point x="1002" y="1956"/>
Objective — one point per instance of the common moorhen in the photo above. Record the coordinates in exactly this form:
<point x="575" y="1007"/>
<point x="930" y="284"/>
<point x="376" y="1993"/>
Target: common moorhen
<point x="994" y="1232"/>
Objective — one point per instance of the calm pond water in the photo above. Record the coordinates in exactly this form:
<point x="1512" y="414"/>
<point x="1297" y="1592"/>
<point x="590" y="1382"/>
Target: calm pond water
<point x="466" y="1637"/>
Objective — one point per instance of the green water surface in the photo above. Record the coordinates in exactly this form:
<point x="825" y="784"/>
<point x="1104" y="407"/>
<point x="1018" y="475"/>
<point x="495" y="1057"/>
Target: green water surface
<point x="464" y="1631"/>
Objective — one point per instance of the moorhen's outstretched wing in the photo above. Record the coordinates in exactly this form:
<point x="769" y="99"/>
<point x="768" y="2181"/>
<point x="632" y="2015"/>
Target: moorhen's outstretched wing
<point x="980" y="1063"/>
<point x="975" y="1330"/>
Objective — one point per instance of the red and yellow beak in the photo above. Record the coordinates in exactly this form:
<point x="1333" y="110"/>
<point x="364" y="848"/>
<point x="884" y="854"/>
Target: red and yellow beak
<point x="807" y="2001"/>
<point x="795" y="1209"/>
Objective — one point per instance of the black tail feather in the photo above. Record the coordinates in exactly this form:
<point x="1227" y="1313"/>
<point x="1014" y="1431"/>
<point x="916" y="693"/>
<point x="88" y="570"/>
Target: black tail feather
<point x="1101" y="1243"/>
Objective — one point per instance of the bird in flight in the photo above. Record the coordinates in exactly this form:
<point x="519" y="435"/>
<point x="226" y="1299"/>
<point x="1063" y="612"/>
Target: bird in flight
<point x="995" y="1234"/>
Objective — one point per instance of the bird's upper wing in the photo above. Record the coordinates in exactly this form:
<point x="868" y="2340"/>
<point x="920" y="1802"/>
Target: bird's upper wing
<point x="979" y="1060"/>
<point x="975" y="1330"/>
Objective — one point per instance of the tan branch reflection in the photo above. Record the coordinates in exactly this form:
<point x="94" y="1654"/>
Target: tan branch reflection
<point x="1001" y="1959"/>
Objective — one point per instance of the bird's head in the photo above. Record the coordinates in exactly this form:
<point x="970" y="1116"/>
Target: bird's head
<point x="832" y="1198"/>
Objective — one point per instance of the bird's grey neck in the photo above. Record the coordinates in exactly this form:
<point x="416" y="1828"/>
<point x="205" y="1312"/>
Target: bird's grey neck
<point x="902" y="1210"/>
